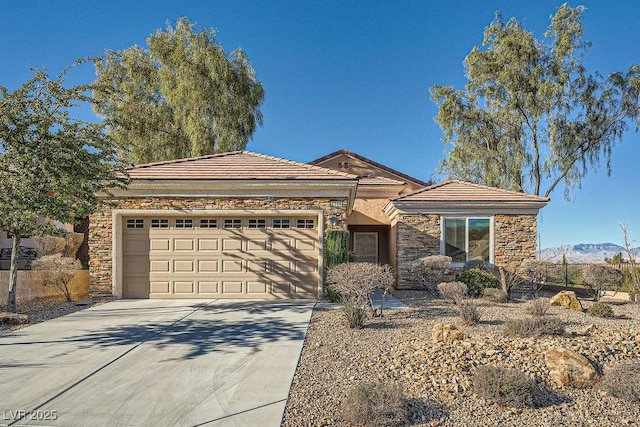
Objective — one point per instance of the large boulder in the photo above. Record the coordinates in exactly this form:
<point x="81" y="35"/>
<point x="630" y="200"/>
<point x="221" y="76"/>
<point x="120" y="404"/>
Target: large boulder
<point x="567" y="299"/>
<point x="445" y="334"/>
<point x="568" y="368"/>
<point x="13" y="318"/>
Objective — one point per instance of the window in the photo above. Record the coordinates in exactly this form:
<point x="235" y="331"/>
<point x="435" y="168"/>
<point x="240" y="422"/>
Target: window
<point x="281" y="223"/>
<point x="159" y="223"/>
<point x="135" y="223"/>
<point x="208" y="223"/>
<point x="304" y="223"/>
<point x="467" y="239"/>
<point x="257" y="223"/>
<point x="232" y="223"/>
<point x="184" y="223"/>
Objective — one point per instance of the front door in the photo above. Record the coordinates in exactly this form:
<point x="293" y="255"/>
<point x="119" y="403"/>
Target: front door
<point x="365" y="246"/>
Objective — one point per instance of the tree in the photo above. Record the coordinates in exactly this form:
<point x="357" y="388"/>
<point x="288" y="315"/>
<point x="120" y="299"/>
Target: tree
<point x="631" y="253"/>
<point x="51" y="166"/>
<point x="183" y="96"/>
<point x="530" y="116"/>
<point x="617" y="259"/>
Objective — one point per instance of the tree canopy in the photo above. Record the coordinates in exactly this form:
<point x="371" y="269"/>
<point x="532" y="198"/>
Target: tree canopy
<point x="181" y="96"/>
<point x="530" y="116"/>
<point x="51" y="166"/>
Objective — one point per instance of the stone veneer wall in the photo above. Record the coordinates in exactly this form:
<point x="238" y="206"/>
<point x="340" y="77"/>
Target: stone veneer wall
<point x="100" y="229"/>
<point x="418" y="235"/>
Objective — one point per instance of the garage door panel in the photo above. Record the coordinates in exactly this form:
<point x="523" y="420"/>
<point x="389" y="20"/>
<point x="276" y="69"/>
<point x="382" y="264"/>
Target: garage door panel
<point x="281" y="288"/>
<point x="306" y="245"/>
<point x="231" y="266"/>
<point x="184" y="245"/>
<point x="256" y="287"/>
<point x="160" y="266"/>
<point x="161" y="245"/>
<point x="184" y="287"/>
<point x="208" y="266"/>
<point x="183" y="266"/>
<point x="207" y="287"/>
<point x="137" y="267"/>
<point x="209" y="245"/>
<point x="279" y="244"/>
<point x="231" y="245"/>
<point x="159" y="287"/>
<point x="231" y="287"/>
<point x="257" y="245"/>
<point x="135" y="245"/>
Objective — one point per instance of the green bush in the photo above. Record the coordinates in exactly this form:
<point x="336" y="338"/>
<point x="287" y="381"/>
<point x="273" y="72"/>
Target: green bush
<point x="623" y="381"/>
<point x="600" y="309"/>
<point x="534" y="327"/>
<point x="376" y="405"/>
<point x="505" y="387"/>
<point x="337" y="248"/>
<point x="477" y="281"/>
<point x="495" y="295"/>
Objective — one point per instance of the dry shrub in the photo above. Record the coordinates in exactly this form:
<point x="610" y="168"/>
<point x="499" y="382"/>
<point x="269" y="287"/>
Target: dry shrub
<point x="623" y="381"/>
<point x="72" y="244"/>
<point x="534" y="327"/>
<point x="48" y="245"/>
<point x="495" y="295"/>
<point x="56" y="271"/>
<point x="602" y="277"/>
<point x="376" y="404"/>
<point x="452" y="290"/>
<point x="539" y="271"/>
<point x="430" y="270"/>
<point x="601" y="309"/>
<point x="506" y="387"/>
<point x="469" y="314"/>
<point x="353" y="282"/>
<point x="536" y="308"/>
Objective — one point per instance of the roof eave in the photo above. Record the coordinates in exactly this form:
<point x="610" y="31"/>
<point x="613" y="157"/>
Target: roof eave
<point x="463" y="207"/>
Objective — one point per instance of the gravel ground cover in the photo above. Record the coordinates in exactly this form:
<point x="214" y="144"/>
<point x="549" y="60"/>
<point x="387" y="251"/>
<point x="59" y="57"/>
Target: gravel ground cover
<point x="436" y="378"/>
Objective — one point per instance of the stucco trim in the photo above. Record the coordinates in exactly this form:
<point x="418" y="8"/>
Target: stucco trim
<point x="393" y="209"/>
<point x="117" y="249"/>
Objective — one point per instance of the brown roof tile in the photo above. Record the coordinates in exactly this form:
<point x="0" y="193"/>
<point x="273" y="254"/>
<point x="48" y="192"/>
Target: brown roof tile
<point x="461" y="191"/>
<point x="234" y="165"/>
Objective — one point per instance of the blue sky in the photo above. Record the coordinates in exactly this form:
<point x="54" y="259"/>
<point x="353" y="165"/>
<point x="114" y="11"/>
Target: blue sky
<point x="350" y="74"/>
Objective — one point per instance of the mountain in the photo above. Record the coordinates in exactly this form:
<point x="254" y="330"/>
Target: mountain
<point x="584" y="252"/>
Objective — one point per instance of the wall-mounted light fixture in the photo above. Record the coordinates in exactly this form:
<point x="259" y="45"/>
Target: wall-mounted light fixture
<point x="333" y="220"/>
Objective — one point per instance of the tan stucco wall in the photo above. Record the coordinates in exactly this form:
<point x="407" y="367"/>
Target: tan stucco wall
<point x="369" y="212"/>
<point x="418" y="235"/>
<point x="101" y="225"/>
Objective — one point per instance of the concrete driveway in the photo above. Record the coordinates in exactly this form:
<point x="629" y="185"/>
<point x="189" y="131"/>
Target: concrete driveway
<point x="155" y="363"/>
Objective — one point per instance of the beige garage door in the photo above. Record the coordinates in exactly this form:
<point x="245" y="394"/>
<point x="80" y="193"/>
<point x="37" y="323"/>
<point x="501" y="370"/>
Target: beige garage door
<point x="220" y="257"/>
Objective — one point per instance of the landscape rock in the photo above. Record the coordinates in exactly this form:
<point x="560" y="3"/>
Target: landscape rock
<point x="13" y="318"/>
<point x="567" y="299"/>
<point x="446" y="334"/>
<point x="569" y="368"/>
<point x="588" y="330"/>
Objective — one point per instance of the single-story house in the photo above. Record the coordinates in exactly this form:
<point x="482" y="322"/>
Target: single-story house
<point x="248" y="225"/>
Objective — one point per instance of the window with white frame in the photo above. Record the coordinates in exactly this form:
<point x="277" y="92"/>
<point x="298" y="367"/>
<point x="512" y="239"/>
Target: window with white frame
<point x="184" y="223"/>
<point x="467" y="239"/>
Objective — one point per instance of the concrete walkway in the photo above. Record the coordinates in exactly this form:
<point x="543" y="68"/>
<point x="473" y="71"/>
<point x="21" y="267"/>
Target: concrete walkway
<point x="155" y="363"/>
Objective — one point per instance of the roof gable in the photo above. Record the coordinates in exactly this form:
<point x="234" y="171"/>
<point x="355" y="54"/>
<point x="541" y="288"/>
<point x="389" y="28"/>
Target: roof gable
<point x="235" y="165"/>
<point x="366" y="167"/>
<point x="461" y="191"/>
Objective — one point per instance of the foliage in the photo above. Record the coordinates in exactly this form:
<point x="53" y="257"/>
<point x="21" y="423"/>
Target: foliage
<point x="537" y="308"/>
<point x="538" y="271"/>
<point x="600" y="309"/>
<point x="623" y="381"/>
<point x="354" y="281"/>
<point x="57" y="271"/>
<point x="509" y="278"/>
<point x="469" y="314"/>
<point x="72" y="244"/>
<point x="530" y="113"/>
<point x="48" y="245"/>
<point x="183" y="96"/>
<point x="337" y="247"/>
<point x="602" y="277"/>
<point x="477" y="281"/>
<point x="495" y="295"/>
<point x="634" y="273"/>
<point x="505" y="387"/>
<point x="534" y="327"/>
<point x="430" y="270"/>
<point x="376" y="405"/>
<point x="51" y="165"/>
<point x="616" y="259"/>
<point x="452" y="290"/>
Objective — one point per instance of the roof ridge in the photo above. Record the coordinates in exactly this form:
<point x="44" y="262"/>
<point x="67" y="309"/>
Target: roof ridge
<point x="475" y="184"/>
<point x="183" y="160"/>
<point x="471" y="184"/>
<point x="305" y="165"/>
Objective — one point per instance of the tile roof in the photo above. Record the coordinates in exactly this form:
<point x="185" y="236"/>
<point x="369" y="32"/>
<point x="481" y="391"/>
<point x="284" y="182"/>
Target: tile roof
<point x="371" y="162"/>
<point x="461" y="191"/>
<point x="235" y="165"/>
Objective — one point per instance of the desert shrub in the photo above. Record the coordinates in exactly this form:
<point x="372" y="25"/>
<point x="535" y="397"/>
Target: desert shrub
<point x="495" y="295"/>
<point x="536" y="308"/>
<point x="539" y="271"/>
<point x="72" y="242"/>
<point x="534" y="327"/>
<point x="602" y="277"/>
<point x="48" y="245"/>
<point x="354" y="281"/>
<point x="506" y="387"/>
<point x="623" y="381"/>
<point x="469" y="314"/>
<point x="56" y="271"/>
<point x="376" y="404"/>
<point x="477" y="281"/>
<point x="601" y="309"/>
<point x="337" y="247"/>
<point x="452" y="290"/>
<point x="430" y="270"/>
